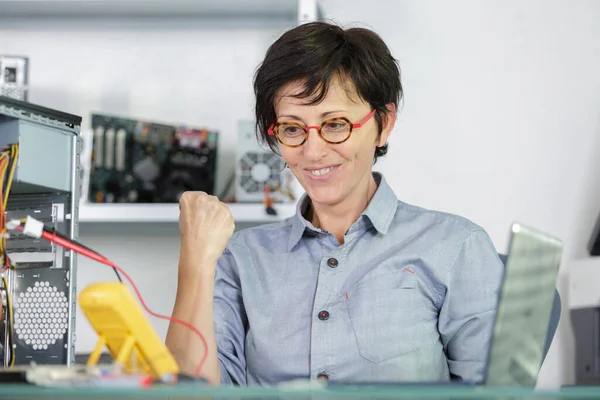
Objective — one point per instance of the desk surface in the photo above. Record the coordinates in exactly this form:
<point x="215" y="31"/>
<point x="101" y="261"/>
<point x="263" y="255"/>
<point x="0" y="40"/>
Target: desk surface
<point x="194" y="391"/>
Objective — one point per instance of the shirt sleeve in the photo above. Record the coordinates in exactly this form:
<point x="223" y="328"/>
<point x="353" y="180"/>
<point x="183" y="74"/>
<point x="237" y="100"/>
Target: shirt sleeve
<point x="468" y="312"/>
<point x="230" y="321"/>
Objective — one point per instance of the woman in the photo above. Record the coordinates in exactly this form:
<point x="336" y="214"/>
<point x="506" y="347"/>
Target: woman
<point x="357" y="286"/>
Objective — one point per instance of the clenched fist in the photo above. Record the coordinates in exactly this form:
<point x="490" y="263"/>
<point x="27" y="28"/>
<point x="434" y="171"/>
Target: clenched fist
<point x="205" y="225"/>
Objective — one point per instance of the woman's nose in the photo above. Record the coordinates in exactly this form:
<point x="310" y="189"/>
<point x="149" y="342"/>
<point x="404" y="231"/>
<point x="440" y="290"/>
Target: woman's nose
<point x="314" y="147"/>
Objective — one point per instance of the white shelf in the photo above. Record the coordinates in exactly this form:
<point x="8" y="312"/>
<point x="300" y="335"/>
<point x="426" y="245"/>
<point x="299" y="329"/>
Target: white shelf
<point x="287" y="9"/>
<point x="153" y="213"/>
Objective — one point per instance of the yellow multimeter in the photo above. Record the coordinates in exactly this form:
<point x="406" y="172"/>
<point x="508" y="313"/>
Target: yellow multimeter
<point x="124" y="329"/>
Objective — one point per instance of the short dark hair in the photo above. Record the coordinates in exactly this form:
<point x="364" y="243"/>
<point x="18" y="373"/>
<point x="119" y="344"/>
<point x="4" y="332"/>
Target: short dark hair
<point x="316" y="53"/>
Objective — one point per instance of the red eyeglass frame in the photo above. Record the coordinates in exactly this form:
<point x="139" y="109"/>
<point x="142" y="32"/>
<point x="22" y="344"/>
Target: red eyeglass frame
<point x="359" y="124"/>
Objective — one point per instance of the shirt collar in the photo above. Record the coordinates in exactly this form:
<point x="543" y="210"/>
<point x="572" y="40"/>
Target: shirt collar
<point x="380" y="212"/>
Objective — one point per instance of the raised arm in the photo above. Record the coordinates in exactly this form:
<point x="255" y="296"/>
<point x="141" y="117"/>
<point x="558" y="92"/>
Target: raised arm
<point x="206" y="226"/>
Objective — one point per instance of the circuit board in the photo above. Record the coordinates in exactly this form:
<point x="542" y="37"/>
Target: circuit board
<point x="135" y="161"/>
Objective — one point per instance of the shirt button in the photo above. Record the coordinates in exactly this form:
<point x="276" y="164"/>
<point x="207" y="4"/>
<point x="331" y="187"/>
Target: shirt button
<point x="322" y="376"/>
<point x="323" y="315"/>
<point x="332" y="262"/>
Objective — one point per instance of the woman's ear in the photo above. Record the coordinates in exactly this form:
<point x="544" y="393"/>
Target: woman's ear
<point x="388" y="121"/>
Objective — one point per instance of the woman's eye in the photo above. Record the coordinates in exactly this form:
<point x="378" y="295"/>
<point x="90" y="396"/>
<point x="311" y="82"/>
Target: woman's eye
<point x="336" y="126"/>
<point x="291" y="130"/>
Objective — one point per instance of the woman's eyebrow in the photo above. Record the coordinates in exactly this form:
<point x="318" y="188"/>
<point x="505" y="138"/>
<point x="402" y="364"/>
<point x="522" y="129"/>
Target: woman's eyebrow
<point x="322" y="114"/>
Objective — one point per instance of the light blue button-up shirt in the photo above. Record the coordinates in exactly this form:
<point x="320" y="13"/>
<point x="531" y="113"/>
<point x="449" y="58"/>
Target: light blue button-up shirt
<point x="411" y="295"/>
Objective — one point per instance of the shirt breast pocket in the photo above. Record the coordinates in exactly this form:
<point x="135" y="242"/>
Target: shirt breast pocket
<point x="387" y="315"/>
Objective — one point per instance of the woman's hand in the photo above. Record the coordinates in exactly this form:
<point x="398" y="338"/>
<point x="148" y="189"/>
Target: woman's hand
<point x="205" y="225"/>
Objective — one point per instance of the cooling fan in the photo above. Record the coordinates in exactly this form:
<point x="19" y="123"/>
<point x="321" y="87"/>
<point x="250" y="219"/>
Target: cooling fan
<point x="257" y="167"/>
<point x="258" y="170"/>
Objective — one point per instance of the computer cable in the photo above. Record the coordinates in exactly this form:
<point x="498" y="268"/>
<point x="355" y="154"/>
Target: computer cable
<point x="9" y="322"/>
<point x="8" y="162"/>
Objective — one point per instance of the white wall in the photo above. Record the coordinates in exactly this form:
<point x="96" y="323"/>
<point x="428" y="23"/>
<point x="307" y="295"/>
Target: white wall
<point x="501" y="120"/>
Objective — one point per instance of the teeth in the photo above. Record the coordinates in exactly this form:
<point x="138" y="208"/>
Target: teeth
<point x="319" y="172"/>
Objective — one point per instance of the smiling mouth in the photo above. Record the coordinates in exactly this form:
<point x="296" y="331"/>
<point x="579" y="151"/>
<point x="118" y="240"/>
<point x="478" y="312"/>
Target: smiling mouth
<point x="322" y="171"/>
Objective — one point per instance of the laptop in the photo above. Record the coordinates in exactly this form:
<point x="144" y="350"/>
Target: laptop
<point x="524" y="308"/>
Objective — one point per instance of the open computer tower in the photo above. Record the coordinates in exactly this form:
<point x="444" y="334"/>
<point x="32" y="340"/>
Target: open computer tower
<point x="38" y="318"/>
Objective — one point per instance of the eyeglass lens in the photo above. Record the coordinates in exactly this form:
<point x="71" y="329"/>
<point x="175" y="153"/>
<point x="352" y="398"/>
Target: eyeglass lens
<point x="333" y="131"/>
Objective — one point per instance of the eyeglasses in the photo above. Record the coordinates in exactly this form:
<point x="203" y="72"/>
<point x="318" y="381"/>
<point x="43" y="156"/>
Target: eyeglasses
<point x="333" y="130"/>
